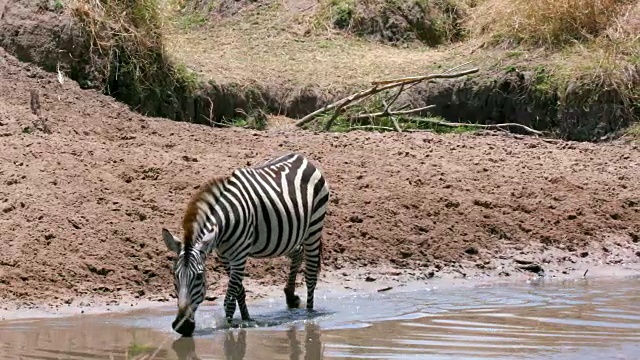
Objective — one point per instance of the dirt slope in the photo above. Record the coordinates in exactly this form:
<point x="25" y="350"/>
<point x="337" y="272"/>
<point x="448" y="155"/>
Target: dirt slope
<point x="81" y="207"/>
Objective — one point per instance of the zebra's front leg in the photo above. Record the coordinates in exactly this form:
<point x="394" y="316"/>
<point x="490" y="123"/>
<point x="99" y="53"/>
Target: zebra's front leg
<point x="293" y="300"/>
<point x="236" y="292"/>
<point x="229" y="298"/>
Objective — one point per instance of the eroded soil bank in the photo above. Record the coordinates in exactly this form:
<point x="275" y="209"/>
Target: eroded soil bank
<point x="51" y="38"/>
<point x="88" y="184"/>
<point x="490" y="97"/>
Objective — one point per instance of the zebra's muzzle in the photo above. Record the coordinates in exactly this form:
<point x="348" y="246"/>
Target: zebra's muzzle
<point x="184" y="325"/>
<point x="185" y="322"/>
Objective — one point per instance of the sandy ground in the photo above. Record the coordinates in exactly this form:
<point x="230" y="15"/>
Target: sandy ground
<point x="82" y="202"/>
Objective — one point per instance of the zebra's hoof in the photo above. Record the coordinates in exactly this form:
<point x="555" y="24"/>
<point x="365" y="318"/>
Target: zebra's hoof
<point x="248" y="323"/>
<point x="293" y="302"/>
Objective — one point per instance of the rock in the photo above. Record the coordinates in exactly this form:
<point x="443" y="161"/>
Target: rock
<point x="534" y="268"/>
<point x="355" y="219"/>
<point x="471" y="250"/>
<point x="523" y="262"/>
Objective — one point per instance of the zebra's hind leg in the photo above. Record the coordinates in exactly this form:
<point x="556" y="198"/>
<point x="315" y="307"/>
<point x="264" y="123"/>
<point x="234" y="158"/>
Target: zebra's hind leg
<point x="293" y="300"/>
<point x="313" y="251"/>
<point x="312" y="260"/>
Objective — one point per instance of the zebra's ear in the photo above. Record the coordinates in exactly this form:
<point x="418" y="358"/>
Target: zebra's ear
<point x="173" y="243"/>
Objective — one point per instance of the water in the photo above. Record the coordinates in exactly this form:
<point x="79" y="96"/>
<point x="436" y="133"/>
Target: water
<point x="583" y="319"/>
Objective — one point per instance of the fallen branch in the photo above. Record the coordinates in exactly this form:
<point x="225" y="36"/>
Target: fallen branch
<point x="371" y="127"/>
<point x="402" y="84"/>
<point x="395" y="124"/>
<point x="385" y="85"/>
<point x="386" y="113"/>
<point x="395" y="97"/>
<point x="483" y="126"/>
<point x="408" y="80"/>
<point x="388" y="105"/>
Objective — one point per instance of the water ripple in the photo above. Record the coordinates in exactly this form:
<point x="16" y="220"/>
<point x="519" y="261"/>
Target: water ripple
<point x="558" y="321"/>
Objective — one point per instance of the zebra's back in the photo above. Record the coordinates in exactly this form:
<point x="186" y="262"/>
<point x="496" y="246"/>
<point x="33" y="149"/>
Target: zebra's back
<point x="285" y="196"/>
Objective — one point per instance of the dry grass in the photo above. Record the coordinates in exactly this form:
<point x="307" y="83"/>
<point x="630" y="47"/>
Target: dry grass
<point x="127" y="51"/>
<point x="117" y="26"/>
<point x="271" y="46"/>
<point x="546" y="22"/>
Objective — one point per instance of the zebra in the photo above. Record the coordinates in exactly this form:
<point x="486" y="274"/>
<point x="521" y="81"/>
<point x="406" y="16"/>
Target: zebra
<point x="270" y="210"/>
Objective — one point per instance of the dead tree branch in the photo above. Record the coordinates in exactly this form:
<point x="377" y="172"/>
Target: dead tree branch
<point x="378" y="86"/>
<point x="483" y="126"/>
<point x="334" y="117"/>
<point x="402" y="84"/>
<point x="386" y="113"/>
<point x="395" y="124"/>
<point x="413" y="79"/>
<point x="395" y="97"/>
<point x="372" y="127"/>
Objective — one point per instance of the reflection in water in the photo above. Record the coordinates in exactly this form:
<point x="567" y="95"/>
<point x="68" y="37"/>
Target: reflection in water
<point x="185" y="349"/>
<point x="583" y="320"/>
<point x="312" y="342"/>
<point x="235" y="348"/>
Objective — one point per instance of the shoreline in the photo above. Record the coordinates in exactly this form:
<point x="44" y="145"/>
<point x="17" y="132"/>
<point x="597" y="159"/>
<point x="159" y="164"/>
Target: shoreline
<point x="409" y="209"/>
<point x="331" y="284"/>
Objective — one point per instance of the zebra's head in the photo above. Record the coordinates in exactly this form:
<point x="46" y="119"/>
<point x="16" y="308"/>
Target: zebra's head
<point x="189" y="279"/>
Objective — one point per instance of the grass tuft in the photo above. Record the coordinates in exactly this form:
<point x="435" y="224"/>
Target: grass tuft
<point x="633" y="133"/>
<point x="432" y="22"/>
<point x="127" y="52"/>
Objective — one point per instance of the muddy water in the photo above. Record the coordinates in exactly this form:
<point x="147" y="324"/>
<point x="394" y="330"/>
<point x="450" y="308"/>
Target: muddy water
<point x="582" y="319"/>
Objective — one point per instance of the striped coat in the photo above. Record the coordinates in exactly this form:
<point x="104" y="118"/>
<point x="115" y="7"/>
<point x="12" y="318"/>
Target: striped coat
<point x="275" y="209"/>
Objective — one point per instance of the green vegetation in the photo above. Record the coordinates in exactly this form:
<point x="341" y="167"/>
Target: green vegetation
<point x="634" y="133"/>
<point x="255" y="120"/>
<point x="406" y="123"/>
<point x="138" y="351"/>
<point x="190" y="20"/>
<point x="58" y="5"/>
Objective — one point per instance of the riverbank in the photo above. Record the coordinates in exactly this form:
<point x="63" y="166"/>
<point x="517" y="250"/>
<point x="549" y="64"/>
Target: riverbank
<point x="87" y="184"/>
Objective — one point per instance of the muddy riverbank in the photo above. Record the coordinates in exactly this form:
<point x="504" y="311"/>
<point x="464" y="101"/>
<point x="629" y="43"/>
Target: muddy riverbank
<point x="86" y="186"/>
<point x="351" y="282"/>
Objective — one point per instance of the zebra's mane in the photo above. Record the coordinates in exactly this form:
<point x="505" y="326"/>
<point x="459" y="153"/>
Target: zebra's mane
<point x="192" y="210"/>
